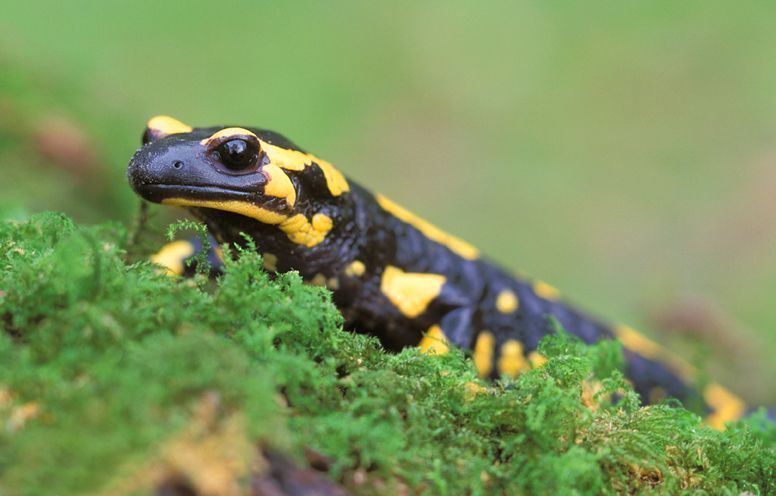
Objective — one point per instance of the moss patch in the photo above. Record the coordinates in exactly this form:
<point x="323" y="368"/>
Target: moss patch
<point x="114" y="378"/>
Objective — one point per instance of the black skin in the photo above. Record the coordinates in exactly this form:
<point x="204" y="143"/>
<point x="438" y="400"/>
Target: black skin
<point x="178" y="165"/>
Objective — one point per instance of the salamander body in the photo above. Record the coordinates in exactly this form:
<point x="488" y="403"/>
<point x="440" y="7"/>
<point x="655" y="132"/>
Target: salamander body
<point x="391" y="273"/>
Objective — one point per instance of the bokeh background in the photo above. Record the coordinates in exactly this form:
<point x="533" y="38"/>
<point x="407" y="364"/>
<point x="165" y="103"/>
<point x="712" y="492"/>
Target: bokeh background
<point x="626" y="153"/>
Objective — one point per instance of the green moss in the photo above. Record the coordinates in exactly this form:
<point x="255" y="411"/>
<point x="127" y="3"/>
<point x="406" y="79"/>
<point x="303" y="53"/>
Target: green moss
<point x="116" y="361"/>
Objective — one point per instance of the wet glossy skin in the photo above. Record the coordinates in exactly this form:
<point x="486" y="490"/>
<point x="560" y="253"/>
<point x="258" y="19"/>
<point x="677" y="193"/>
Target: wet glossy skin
<point x="392" y="274"/>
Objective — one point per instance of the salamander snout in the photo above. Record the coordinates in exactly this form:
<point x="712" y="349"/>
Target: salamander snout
<point x="157" y="164"/>
<point x="177" y="167"/>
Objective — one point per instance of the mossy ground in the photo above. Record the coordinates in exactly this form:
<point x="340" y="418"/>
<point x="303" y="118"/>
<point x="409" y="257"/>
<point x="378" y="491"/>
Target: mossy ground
<point x="114" y="376"/>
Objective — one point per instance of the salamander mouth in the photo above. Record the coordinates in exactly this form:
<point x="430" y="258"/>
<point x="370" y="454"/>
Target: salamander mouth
<point x="207" y="196"/>
<point x="159" y="192"/>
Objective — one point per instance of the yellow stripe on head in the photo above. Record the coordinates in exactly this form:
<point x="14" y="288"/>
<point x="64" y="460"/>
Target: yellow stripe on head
<point x="164" y="125"/>
<point x="298" y="229"/>
<point x="295" y="160"/>
<point x="279" y="184"/>
<point x="243" y="208"/>
<point x="227" y="133"/>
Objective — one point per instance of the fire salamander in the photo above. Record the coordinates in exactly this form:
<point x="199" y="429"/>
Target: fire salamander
<point x="391" y="273"/>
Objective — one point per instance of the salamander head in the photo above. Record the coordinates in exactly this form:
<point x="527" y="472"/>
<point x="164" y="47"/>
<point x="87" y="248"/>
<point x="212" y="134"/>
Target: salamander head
<point x="224" y="172"/>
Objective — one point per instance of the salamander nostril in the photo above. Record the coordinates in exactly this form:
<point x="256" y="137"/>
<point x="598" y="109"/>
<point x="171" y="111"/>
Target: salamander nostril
<point x="177" y="164"/>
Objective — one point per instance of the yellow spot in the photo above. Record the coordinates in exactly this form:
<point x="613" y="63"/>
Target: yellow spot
<point x="335" y="181"/>
<point x="536" y="359"/>
<point x="434" y="342"/>
<point x="318" y="280"/>
<point x="637" y="343"/>
<point x="356" y="268"/>
<point x="164" y="125"/>
<point x="411" y="292"/>
<point x="726" y="406"/>
<point x="506" y="301"/>
<point x="483" y="353"/>
<point x="546" y="291"/>
<point x="457" y="245"/>
<point x="172" y="256"/>
<point x="297" y="161"/>
<point x="322" y="222"/>
<point x="229" y="132"/>
<point x="512" y="361"/>
<point x="304" y="232"/>
<point x="279" y="184"/>
<point x="270" y="261"/>
<point x="243" y="208"/>
<point x="332" y="283"/>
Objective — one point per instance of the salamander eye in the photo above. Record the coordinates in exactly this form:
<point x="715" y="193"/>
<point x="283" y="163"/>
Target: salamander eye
<point x="147" y="136"/>
<point x="238" y="154"/>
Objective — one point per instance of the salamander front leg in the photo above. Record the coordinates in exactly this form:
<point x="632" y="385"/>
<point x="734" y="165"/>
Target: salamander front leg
<point x="180" y="257"/>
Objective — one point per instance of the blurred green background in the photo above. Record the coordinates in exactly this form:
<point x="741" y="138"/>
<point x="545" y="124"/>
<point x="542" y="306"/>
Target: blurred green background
<point x="624" y="152"/>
